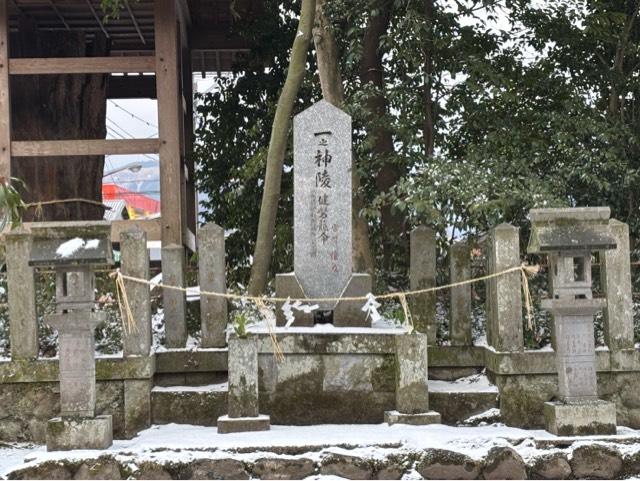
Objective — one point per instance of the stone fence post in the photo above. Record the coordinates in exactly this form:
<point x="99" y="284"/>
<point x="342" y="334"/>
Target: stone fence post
<point x="174" y="301"/>
<point x="504" y="293"/>
<point x="422" y="275"/>
<point x="134" y="262"/>
<point x="412" y="390"/>
<point x="615" y="272"/>
<point x="212" y="278"/>
<point x="21" y="294"/>
<point x="242" y="398"/>
<point x="460" y="314"/>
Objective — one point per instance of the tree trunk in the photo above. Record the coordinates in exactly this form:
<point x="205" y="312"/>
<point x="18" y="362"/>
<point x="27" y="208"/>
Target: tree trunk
<point x="277" y="148"/>
<point x="371" y="71"/>
<point x="332" y="91"/>
<point x="59" y="107"/>
<point x="429" y="109"/>
<point x="615" y="106"/>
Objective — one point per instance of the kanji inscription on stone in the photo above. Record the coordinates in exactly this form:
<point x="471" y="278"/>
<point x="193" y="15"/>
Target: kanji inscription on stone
<point x="322" y="199"/>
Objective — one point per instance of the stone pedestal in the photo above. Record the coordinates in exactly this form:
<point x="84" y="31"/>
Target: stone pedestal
<point x="575" y="347"/>
<point x="580" y="418"/>
<point x="412" y="391"/>
<point x="77" y="363"/>
<point x="345" y="313"/>
<point x="64" y="434"/>
<point x="227" y="424"/>
<point x="243" y="389"/>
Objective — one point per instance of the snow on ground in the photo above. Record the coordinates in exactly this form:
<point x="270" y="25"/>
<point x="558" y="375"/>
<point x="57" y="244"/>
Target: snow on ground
<point x="182" y="443"/>
<point x="473" y="383"/>
<point x="221" y="387"/>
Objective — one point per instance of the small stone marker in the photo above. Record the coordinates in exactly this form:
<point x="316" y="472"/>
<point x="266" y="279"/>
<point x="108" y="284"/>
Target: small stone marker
<point x="322" y="217"/>
<point x="243" y="394"/>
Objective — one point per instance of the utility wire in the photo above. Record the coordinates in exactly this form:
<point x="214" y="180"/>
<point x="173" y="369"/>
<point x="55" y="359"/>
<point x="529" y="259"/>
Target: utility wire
<point x="140" y="119"/>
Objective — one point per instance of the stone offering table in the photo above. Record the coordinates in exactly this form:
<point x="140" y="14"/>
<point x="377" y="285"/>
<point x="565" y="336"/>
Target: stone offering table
<point x="332" y="375"/>
<point x="74" y="250"/>
<point x="568" y="237"/>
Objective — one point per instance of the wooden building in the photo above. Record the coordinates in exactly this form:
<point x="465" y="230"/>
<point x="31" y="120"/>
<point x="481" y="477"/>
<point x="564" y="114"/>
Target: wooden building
<point x="154" y="48"/>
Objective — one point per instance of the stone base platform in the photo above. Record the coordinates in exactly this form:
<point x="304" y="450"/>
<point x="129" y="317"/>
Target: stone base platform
<point x="580" y="418"/>
<point x="345" y="313"/>
<point x="64" y="434"/>
<point x="375" y="452"/>
<point x="238" y="425"/>
<point x="420" y="419"/>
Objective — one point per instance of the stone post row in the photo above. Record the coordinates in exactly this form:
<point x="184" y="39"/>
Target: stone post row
<point x="460" y="315"/>
<point x="134" y="262"/>
<point x="504" y="293"/>
<point x="412" y="390"/>
<point x="422" y="275"/>
<point x="211" y="275"/>
<point x="616" y="283"/>
<point x="21" y="294"/>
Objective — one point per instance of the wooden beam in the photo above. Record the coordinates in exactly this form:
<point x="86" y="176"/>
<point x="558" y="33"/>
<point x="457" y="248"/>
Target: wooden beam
<point x="150" y="226"/>
<point x="131" y="87"/>
<point x="53" y="148"/>
<point x="168" y="92"/>
<point x="210" y="39"/>
<point x="86" y="65"/>
<point x="5" y="98"/>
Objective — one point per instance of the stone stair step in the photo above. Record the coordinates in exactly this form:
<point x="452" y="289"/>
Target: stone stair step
<point x="458" y="400"/>
<point x="198" y="405"/>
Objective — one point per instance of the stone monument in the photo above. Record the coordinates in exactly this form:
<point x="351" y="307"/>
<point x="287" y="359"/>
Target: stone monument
<point x="568" y="237"/>
<point x="74" y="250"/>
<point x="322" y="226"/>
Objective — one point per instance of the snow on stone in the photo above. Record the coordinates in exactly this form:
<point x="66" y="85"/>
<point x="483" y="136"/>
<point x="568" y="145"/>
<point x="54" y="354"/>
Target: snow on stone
<point x="67" y="249"/>
<point x="92" y="244"/>
<point x="174" y="443"/>
<point x="473" y="383"/>
<point x="221" y="387"/>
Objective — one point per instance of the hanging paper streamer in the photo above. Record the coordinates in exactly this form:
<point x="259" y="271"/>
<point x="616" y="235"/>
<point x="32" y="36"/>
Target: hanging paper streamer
<point x="371" y="308"/>
<point x="287" y="309"/>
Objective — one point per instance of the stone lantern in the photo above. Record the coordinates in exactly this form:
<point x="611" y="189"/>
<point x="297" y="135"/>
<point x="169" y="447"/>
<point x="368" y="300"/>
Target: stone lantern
<point x="74" y="250"/>
<point x="568" y="237"/>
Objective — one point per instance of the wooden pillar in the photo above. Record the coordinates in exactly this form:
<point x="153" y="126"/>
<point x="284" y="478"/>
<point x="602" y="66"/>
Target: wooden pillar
<point x="171" y="172"/>
<point x="5" y="98"/>
<point x="169" y="113"/>
<point x="190" y="194"/>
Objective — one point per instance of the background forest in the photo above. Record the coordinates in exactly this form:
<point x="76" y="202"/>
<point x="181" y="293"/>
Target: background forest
<point x="466" y="114"/>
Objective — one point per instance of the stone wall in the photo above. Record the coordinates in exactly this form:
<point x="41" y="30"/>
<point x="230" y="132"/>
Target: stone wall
<point x="26" y="408"/>
<point x="315" y="389"/>
<point x="336" y="377"/>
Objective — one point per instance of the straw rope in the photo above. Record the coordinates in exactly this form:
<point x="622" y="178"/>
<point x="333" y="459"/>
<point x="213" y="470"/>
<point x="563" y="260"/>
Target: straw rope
<point x="525" y="270"/>
<point x="38" y="205"/>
